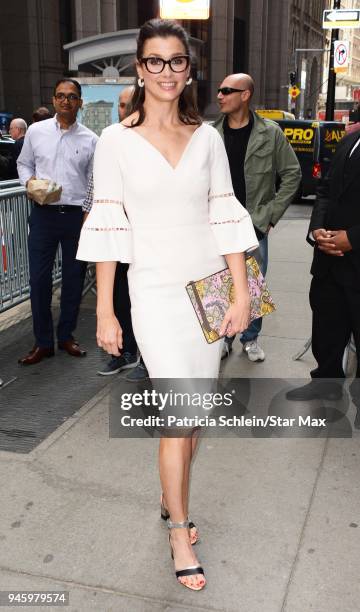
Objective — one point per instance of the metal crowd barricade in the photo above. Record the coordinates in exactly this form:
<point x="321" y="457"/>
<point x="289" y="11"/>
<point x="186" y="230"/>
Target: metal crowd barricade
<point x="9" y="184"/>
<point x="14" y="261"/>
<point x="15" y="208"/>
<point x="350" y="348"/>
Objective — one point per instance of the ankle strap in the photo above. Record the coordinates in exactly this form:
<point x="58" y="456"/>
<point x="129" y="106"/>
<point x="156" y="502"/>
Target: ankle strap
<point x="183" y="525"/>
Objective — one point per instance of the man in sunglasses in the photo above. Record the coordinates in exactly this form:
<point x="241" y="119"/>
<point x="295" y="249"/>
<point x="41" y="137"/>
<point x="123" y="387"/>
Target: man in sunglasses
<point x="259" y="154"/>
<point x="61" y="150"/>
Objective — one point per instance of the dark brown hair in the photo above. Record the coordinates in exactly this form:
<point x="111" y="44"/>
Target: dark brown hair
<point x="68" y="80"/>
<point x="41" y="113"/>
<point x="188" y="111"/>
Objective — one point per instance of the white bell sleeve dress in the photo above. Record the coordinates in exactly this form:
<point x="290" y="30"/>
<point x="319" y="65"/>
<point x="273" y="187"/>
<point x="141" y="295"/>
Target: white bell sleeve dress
<point x="172" y="225"/>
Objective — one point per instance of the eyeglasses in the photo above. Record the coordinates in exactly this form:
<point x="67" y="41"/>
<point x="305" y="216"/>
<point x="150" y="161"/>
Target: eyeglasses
<point x="60" y="97"/>
<point x="226" y="91"/>
<point x="155" y="65"/>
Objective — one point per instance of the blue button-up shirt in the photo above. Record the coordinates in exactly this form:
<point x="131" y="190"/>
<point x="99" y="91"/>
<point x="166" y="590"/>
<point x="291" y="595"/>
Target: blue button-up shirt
<point x="64" y="156"/>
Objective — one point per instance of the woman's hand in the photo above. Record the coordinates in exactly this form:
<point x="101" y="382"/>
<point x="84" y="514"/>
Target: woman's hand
<point x="109" y="334"/>
<point x="236" y="319"/>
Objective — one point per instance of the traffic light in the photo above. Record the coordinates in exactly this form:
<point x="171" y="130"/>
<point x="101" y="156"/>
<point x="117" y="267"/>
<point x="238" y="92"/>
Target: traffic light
<point x="292" y="77"/>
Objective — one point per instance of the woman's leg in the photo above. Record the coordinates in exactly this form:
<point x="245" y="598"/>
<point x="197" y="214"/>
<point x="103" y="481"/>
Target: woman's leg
<point x="186" y="486"/>
<point x="174" y="464"/>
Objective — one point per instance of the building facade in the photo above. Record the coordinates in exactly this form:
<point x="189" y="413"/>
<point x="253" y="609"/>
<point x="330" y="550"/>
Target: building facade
<point x="306" y="52"/>
<point x="32" y="38"/>
<point x="261" y="37"/>
<point x="348" y="83"/>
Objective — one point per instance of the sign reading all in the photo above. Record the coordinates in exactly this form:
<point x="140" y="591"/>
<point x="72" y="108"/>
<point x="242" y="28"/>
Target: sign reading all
<point x="341" y="18"/>
<point x="185" y="9"/>
<point x="341" y="55"/>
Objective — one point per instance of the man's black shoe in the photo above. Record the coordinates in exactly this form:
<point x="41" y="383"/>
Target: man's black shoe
<point x="316" y="390"/>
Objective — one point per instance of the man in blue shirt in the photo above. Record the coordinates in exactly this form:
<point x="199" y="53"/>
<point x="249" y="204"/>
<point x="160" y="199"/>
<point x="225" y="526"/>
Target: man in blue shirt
<point x="59" y="149"/>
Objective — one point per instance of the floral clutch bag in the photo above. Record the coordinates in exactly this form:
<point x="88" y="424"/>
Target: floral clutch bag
<point x="211" y="297"/>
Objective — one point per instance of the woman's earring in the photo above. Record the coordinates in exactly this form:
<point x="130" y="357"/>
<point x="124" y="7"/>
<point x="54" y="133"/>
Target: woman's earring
<point x="141" y="82"/>
<point x="189" y="81"/>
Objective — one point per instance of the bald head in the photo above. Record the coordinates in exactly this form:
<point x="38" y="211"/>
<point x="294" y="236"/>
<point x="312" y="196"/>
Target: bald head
<point x="124" y="101"/>
<point x="241" y="81"/>
<point x="17" y="128"/>
<point x="237" y="101"/>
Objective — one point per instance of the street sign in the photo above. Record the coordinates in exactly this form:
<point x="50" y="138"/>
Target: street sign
<point x="341" y="18"/>
<point x="341" y="55"/>
<point x="294" y="92"/>
<point x="184" y="9"/>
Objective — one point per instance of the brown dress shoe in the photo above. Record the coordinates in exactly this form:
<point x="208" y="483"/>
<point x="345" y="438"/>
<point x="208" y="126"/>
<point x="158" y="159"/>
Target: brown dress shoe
<point x="72" y="348"/>
<point x="36" y="355"/>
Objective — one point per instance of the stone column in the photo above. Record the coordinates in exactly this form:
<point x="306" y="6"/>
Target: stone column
<point x="2" y="98"/>
<point x="108" y="15"/>
<point x="276" y="86"/>
<point x="222" y="40"/>
<point x="19" y="53"/>
<point x="133" y="15"/>
<point x="258" y="29"/>
<point x="50" y="63"/>
<point x="87" y="18"/>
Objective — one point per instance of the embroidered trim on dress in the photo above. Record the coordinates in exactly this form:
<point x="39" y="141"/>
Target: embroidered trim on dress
<point x="119" y="202"/>
<point x="221" y="195"/>
<point x="107" y="229"/>
<point x="228" y="221"/>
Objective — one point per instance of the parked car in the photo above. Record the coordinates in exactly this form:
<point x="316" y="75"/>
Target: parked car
<point x="314" y="143"/>
<point x="6" y="145"/>
<point x="275" y="114"/>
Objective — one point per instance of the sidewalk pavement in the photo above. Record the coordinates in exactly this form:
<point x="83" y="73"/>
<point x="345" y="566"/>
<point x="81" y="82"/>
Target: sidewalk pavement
<point x="279" y="518"/>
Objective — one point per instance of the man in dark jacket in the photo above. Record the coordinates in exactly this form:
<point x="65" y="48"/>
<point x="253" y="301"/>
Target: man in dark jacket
<point x="259" y="153"/>
<point x="17" y="131"/>
<point x="334" y="232"/>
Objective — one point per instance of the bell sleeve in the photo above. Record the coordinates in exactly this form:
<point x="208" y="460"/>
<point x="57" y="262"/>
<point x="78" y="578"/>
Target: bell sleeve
<point x="106" y="234"/>
<point x="229" y="220"/>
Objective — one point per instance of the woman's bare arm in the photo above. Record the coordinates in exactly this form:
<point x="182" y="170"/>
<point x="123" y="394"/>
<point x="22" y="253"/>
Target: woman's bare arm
<point x="238" y="315"/>
<point x="109" y="333"/>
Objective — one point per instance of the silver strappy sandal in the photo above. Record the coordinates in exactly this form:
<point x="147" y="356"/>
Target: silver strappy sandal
<point x="164" y="513"/>
<point x="191" y="570"/>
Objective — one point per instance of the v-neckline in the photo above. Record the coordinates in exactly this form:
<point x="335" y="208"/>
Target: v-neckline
<point x="173" y="168"/>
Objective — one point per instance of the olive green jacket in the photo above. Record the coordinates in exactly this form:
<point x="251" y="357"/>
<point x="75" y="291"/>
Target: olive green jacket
<point x="268" y="156"/>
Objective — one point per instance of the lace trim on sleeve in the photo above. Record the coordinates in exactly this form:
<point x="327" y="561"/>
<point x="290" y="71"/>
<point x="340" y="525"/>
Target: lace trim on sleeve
<point x="227" y="221"/>
<point x="118" y="202"/>
<point x="221" y="195"/>
<point x="107" y="229"/>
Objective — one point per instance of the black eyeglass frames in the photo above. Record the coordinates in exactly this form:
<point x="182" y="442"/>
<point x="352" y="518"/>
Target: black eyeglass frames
<point x="226" y="91"/>
<point x="155" y="65"/>
<point x="60" y="97"/>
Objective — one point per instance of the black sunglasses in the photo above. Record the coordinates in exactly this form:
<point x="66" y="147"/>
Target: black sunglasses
<point x="226" y="91"/>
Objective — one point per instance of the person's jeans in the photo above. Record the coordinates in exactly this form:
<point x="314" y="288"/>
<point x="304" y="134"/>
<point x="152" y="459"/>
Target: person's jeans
<point x="252" y="332"/>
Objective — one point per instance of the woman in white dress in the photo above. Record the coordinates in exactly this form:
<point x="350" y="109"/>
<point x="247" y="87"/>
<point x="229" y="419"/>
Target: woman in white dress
<point x="164" y="203"/>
